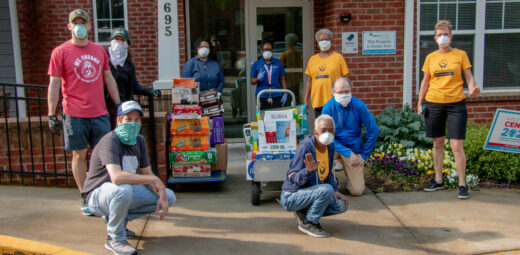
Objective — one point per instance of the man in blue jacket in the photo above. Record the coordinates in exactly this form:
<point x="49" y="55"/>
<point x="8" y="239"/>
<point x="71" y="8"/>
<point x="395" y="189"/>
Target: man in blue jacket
<point x="310" y="190"/>
<point x="349" y="114"/>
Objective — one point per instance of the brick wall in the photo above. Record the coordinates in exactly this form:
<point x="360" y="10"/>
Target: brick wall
<point x="33" y="147"/>
<point x="378" y="79"/>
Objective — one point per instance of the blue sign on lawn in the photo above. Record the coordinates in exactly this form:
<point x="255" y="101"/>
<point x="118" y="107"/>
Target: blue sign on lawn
<point x="504" y="134"/>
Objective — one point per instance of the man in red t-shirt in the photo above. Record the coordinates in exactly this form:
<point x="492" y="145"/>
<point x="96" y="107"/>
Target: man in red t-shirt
<point x="80" y="67"/>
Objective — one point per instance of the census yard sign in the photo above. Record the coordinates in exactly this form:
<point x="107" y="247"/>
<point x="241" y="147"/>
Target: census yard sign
<point x="504" y="134"/>
<point x="378" y="42"/>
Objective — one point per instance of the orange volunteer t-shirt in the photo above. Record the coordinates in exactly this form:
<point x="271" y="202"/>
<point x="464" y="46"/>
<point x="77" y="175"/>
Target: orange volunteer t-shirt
<point x="445" y="70"/>
<point x="323" y="72"/>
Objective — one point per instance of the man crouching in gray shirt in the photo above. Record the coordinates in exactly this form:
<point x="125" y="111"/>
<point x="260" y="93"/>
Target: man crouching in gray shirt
<point x="120" y="184"/>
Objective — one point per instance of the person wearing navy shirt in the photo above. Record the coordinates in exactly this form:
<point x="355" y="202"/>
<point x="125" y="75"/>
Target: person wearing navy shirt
<point x="350" y="114"/>
<point x="268" y="73"/>
<point x="205" y="70"/>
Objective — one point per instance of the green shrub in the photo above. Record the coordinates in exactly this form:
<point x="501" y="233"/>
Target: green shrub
<point x="402" y="126"/>
<point x="488" y="165"/>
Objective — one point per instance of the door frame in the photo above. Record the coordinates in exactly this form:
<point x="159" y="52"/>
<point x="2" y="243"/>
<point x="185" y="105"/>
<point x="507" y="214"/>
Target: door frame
<point x="251" y="47"/>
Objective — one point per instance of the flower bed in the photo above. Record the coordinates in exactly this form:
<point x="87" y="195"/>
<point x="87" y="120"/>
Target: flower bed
<point x="393" y="167"/>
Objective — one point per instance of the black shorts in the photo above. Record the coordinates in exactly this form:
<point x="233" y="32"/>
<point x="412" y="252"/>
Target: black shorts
<point x="453" y="115"/>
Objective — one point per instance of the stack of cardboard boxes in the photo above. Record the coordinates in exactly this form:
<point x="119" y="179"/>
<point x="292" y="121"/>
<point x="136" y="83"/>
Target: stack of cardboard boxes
<point x="197" y="142"/>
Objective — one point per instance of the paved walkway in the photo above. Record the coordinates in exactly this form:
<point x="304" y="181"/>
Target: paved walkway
<point x="224" y="222"/>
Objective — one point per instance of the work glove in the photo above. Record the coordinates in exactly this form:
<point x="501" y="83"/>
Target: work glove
<point x="260" y="76"/>
<point x="155" y="92"/>
<point x="284" y="99"/>
<point x="55" y="125"/>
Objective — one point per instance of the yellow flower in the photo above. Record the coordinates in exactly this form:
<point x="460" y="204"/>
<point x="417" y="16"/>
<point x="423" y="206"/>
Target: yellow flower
<point x="378" y="155"/>
<point x="430" y="172"/>
<point x="400" y="146"/>
<point x="444" y="170"/>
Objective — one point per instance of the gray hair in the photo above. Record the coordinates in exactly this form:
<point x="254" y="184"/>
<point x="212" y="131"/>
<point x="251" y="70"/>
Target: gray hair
<point x="323" y="31"/>
<point x="345" y="79"/>
<point x="324" y="117"/>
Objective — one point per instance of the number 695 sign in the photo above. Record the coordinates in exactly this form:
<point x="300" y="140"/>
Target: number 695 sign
<point x="504" y="134"/>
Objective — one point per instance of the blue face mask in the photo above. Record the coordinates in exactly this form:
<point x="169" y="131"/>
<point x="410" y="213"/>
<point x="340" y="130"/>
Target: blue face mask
<point x="128" y="132"/>
<point x="80" y="31"/>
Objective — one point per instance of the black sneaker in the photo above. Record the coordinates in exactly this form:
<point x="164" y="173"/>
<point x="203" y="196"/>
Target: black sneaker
<point x="299" y="215"/>
<point x="463" y="192"/>
<point x="120" y="248"/>
<point x="433" y="186"/>
<point x="314" y="230"/>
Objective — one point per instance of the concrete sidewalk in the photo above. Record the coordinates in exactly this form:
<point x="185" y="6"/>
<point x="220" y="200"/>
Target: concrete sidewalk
<point x="224" y="222"/>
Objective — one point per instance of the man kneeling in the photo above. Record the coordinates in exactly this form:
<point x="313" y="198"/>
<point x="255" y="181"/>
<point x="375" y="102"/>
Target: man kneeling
<point x="120" y="185"/>
<point x="310" y="190"/>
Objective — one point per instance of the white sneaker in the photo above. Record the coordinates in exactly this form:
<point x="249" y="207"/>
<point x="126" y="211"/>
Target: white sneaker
<point x="120" y="248"/>
<point x="338" y="166"/>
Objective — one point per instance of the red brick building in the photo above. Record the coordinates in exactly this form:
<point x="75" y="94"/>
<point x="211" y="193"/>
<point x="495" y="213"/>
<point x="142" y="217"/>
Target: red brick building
<point x="162" y="33"/>
<point x="381" y="80"/>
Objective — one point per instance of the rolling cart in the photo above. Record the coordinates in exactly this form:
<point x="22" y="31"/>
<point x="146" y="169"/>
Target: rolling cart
<point x="268" y="171"/>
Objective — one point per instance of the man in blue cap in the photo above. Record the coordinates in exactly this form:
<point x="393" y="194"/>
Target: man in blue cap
<point x="120" y="184"/>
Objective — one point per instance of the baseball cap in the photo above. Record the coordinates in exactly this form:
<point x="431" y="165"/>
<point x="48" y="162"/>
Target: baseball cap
<point x="78" y="13"/>
<point x="121" y="32"/>
<point x="129" y="106"/>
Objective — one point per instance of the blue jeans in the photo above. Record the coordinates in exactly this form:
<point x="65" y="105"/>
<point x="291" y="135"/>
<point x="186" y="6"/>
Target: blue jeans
<point x="122" y="203"/>
<point x="317" y="199"/>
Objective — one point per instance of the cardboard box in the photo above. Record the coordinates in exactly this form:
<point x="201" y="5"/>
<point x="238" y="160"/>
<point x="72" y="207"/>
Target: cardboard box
<point x="190" y="143"/>
<point x="191" y="174"/>
<point x="209" y="97"/>
<point x="193" y="157"/>
<point x="185" y="91"/>
<point x="217" y="131"/>
<point x="221" y="163"/>
<point x="190" y="126"/>
<point x="186" y="112"/>
<point x="190" y="168"/>
<point x="277" y="132"/>
<point x="213" y="110"/>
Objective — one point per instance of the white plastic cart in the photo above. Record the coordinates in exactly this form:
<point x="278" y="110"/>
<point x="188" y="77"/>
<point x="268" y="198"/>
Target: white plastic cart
<point x="266" y="171"/>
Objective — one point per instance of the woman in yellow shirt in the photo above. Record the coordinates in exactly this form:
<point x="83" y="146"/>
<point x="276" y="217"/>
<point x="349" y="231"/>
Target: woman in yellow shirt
<point x="323" y="69"/>
<point x="442" y="102"/>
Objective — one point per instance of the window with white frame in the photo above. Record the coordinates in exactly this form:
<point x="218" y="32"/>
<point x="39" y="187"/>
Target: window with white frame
<point x="108" y="15"/>
<point x="488" y="30"/>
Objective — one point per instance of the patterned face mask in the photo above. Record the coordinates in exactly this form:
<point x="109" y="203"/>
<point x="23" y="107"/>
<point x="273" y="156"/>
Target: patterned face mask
<point x="128" y="132"/>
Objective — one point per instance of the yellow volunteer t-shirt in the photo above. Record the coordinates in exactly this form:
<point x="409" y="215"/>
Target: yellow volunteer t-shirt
<point x="445" y="70"/>
<point x="324" y="71"/>
<point x="323" y="167"/>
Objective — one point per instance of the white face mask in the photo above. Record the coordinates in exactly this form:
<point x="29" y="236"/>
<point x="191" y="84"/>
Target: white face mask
<point x="267" y="54"/>
<point x="443" y="40"/>
<point x="118" y="52"/>
<point x="343" y="99"/>
<point x="203" y="52"/>
<point x="324" y="45"/>
<point x="326" y="138"/>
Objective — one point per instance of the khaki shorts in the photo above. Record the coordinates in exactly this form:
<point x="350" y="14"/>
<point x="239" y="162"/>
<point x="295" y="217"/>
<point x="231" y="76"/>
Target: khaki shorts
<point x="355" y="175"/>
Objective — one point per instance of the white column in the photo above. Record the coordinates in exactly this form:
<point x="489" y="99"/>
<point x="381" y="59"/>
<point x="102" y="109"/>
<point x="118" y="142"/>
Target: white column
<point x="408" y="52"/>
<point x="17" y="56"/>
<point x="168" y="52"/>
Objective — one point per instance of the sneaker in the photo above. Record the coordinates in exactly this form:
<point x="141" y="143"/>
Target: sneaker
<point x="463" y="192"/>
<point x="338" y="166"/>
<point x="314" y="230"/>
<point x="129" y="233"/>
<point x="120" y="248"/>
<point x="299" y="215"/>
<point x="433" y="186"/>
<point x="85" y="211"/>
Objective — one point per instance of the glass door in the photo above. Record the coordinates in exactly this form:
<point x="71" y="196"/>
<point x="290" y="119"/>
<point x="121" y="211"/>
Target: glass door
<point x="287" y="24"/>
